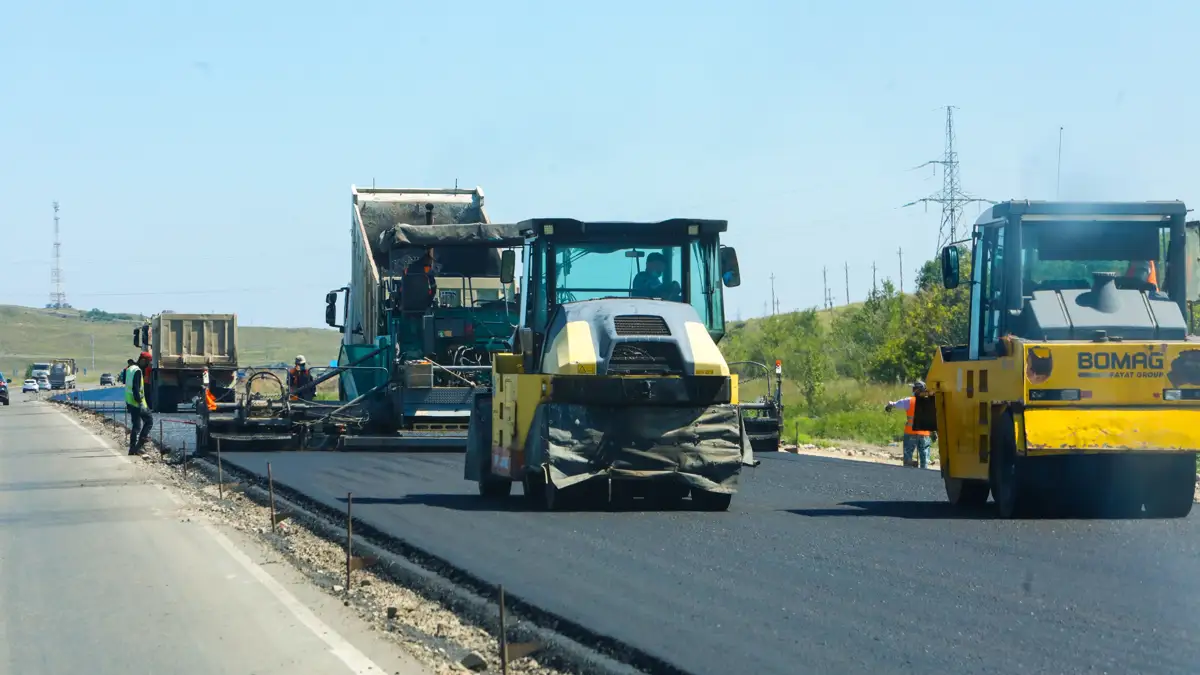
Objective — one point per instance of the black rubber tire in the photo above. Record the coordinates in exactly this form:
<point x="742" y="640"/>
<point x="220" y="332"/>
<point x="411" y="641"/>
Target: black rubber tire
<point x="1174" y="495"/>
<point x="1013" y="499"/>
<point x="667" y="495"/>
<point x="495" y="488"/>
<point x="966" y="493"/>
<point x="711" y="501"/>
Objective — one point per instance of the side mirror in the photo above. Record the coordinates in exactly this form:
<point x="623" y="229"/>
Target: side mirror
<point x="137" y="332"/>
<point x="331" y="310"/>
<point x="731" y="275"/>
<point x="508" y="266"/>
<point x="1192" y="262"/>
<point x="950" y="267"/>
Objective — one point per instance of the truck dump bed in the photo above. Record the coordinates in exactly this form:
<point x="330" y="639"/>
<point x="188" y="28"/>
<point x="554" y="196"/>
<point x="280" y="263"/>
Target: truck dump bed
<point x="375" y="210"/>
<point x="195" y="341"/>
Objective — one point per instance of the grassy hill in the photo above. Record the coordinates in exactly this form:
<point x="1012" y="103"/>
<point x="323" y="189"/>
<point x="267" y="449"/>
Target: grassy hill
<point x="28" y="335"/>
<point x="848" y="409"/>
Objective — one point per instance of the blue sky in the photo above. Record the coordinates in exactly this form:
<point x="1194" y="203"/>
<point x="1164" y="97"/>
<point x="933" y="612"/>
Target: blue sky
<point x="202" y="152"/>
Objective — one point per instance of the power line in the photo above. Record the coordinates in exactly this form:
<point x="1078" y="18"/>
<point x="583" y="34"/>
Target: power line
<point x="951" y="198"/>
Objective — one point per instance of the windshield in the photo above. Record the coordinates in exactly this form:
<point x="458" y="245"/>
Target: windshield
<point x="588" y="272"/>
<point x="41" y="366"/>
<point x="1061" y="256"/>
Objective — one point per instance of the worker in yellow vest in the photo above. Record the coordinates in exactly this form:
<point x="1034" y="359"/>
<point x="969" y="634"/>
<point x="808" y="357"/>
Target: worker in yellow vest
<point x="915" y="442"/>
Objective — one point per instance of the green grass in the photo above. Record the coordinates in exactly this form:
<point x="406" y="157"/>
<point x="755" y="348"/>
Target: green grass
<point x="29" y="335"/>
<point x="846" y="411"/>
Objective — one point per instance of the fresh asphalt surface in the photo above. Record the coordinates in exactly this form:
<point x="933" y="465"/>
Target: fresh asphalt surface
<point x="821" y="565"/>
<point x="104" y="572"/>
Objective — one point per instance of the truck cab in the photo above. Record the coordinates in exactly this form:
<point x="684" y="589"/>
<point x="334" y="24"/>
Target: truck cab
<point x="1079" y="384"/>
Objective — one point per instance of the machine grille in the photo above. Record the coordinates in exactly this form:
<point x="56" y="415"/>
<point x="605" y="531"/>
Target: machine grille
<point x="645" y="358"/>
<point x="641" y="324"/>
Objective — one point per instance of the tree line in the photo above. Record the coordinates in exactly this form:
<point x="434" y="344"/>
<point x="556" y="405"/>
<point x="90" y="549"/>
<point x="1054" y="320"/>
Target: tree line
<point x="889" y="339"/>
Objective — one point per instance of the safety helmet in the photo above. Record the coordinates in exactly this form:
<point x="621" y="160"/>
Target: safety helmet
<point x="146" y="355"/>
<point x="919" y="385"/>
<point x="300" y="360"/>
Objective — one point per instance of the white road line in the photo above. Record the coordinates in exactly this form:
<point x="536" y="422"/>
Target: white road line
<point x="347" y="653"/>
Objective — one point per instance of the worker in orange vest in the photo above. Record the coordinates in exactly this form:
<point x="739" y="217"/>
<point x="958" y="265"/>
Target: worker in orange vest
<point x="915" y="442"/>
<point x="1145" y="270"/>
<point x="299" y="377"/>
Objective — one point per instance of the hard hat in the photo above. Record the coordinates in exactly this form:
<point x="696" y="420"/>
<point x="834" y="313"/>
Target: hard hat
<point x="146" y="355"/>
<point x="300" y="360"/>
<point x="919" y="384"/>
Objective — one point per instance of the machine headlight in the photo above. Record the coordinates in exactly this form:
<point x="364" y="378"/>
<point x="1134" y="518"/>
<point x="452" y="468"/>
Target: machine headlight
<point x="1172" y="395"/>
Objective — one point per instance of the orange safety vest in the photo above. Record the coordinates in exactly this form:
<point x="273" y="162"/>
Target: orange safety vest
<point x="908" y="424"/>
<point x="1152" y="277"/>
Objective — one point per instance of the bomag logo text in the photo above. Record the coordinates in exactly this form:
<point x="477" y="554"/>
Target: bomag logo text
<point x="1126" y="364"/>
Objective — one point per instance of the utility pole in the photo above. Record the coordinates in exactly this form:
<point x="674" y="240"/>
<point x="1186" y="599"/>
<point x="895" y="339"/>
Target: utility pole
<point x="1058" y="171"/>
<point x="58" y="299"/>
<point x="900" y="254"/>
<point x="825" y="287"/>
<point x="951" y="197"/>
<point x="874" y="288"/>
<point x="93" y="337"/>
<point x="774" y="304"/>
<point x="847" y="283"/>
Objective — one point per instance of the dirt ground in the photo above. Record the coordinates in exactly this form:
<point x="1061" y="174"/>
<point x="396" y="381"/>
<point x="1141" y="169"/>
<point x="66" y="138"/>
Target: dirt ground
<point x="879" y="454"/>
<point x="858" y="452"/>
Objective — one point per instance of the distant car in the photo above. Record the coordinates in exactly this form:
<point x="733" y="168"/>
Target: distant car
<point x="106" y="380"/>
<point x="44" y="383"/>
<point x="30" y="385"/>
<point x="3" y="389"/>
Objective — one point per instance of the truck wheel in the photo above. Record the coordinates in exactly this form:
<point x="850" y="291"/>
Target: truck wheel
<point x="1011" y="495"/>
<point x="966" y="493"/>
<point x="495" y="488"/>
<point x="711" y="501"/>
<point x="1174" y="496"/>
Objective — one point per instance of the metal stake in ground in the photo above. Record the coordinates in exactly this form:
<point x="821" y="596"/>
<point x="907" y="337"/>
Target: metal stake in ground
<point x="220" y="473"/>
<point x="349" y="537"/>
<point x="185" y="460"/>
<point x="271" y="491"/>
<point x="503" y="637"/>
<point x="160" y="438"/>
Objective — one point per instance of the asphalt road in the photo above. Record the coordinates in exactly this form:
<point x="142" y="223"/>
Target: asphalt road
<point x="104" y="572"/>
<point x="821" y="565"/>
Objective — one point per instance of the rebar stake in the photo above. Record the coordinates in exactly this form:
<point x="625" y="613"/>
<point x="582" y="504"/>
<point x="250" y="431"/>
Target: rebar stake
<point x="160" y="435"/>
<point x="503" y="637"/>
<point x="185" y="460"/>
<point x="349" y="537"/>
<point x="271" y="491"/>
<point x="220" y="473"/>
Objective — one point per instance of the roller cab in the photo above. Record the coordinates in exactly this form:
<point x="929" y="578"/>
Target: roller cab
<point x="615" y="388"/>
<point x="1079" y="386"/>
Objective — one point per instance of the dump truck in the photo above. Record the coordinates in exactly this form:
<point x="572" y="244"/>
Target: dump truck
<point x="615" y="388"/>
<point x="1078" y="387"/>
<point x="62" y="374"/>
<point x="423" y="312"/>
<point x="189" y="351"/>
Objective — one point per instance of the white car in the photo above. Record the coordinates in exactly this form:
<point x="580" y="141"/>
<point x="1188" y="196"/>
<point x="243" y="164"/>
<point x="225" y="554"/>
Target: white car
<point x="30" y="385"/>
<point x="44" y="384"/>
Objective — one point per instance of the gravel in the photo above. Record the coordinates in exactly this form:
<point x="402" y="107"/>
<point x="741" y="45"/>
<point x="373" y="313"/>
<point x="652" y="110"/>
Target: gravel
<point x="433" y="633"/>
